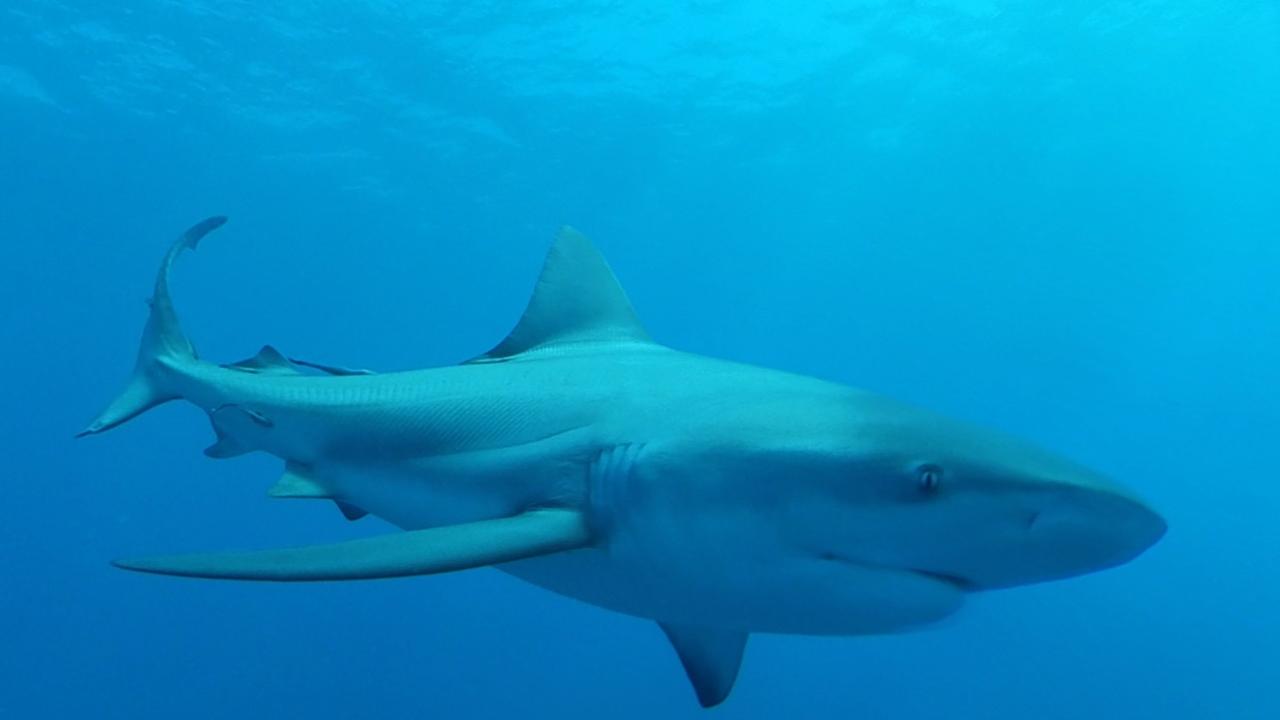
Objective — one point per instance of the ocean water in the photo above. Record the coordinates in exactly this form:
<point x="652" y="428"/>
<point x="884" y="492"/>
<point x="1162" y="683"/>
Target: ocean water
<point x="1058" y="219"/>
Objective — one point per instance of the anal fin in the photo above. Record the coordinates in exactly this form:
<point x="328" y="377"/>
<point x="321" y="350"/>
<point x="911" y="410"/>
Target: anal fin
<point x="296" y="482"/>
<point x="225" y="447"/>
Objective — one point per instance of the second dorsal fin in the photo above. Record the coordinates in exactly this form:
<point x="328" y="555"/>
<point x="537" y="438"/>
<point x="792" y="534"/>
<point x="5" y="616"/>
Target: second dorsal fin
<point x="268" y="361"/>
<point x="577" y="299"/>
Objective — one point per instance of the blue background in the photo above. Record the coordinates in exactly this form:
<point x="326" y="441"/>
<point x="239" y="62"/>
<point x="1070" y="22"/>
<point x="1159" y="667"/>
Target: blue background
<point x="1060" y="219"/>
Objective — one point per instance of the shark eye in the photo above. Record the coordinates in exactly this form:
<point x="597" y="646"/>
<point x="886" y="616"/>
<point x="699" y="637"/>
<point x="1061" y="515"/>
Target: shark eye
<point x="929" y="478"/>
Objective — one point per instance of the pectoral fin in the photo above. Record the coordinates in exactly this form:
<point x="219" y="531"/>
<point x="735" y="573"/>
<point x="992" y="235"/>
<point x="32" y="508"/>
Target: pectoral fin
<point x="418" y="552"/>
<point x="711" y="658"/>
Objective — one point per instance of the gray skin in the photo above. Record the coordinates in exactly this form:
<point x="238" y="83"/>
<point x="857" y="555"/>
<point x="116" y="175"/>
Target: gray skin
<point x="716" y="498"/>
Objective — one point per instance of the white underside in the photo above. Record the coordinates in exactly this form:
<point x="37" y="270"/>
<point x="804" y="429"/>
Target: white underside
<point x="697" y="567"/>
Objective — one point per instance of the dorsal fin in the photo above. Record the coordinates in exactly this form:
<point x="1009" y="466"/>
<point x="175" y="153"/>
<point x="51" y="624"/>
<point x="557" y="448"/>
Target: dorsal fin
<point x="577" y="299"/>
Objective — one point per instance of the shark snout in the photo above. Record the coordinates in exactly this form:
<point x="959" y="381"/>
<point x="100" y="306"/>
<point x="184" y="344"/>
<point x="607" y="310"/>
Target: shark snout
<point x="1079" y="530"/>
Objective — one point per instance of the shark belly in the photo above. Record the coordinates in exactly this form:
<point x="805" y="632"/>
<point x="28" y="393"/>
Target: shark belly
<point x="709" y="574"/>
<point x="675" y="548"/>
<point x="669" y="547"/>
<point x="687" y="529"/>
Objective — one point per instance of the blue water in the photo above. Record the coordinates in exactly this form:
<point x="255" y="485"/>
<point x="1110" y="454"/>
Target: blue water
<point x="1059" y="219"/>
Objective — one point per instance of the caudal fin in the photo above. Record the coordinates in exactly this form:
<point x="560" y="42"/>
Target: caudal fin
<point x="164" y="346"/>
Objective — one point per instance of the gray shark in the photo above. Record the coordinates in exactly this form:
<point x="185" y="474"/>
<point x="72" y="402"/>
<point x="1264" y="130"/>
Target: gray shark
<point x="716" y="498"/>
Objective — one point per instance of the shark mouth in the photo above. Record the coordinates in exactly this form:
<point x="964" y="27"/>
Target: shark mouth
<point x="956" y="581"/>
<point x="959" y="582"/>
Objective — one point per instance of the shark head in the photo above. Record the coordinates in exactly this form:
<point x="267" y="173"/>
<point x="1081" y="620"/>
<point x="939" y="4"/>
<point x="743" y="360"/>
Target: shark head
<point x="969" y="507"/>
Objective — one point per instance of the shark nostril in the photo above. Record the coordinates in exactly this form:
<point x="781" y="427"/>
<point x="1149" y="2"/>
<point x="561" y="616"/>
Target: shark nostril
<point x="1031" y="521"/>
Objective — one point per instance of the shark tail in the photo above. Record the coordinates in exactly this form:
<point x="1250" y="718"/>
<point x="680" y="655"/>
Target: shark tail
<point x="164" y="347"/>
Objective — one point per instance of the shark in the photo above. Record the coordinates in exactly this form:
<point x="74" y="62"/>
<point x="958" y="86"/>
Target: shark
<point x="715" y="498"/>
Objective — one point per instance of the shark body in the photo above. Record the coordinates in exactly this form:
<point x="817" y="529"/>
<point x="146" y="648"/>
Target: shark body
<point x="716" y="498"/>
